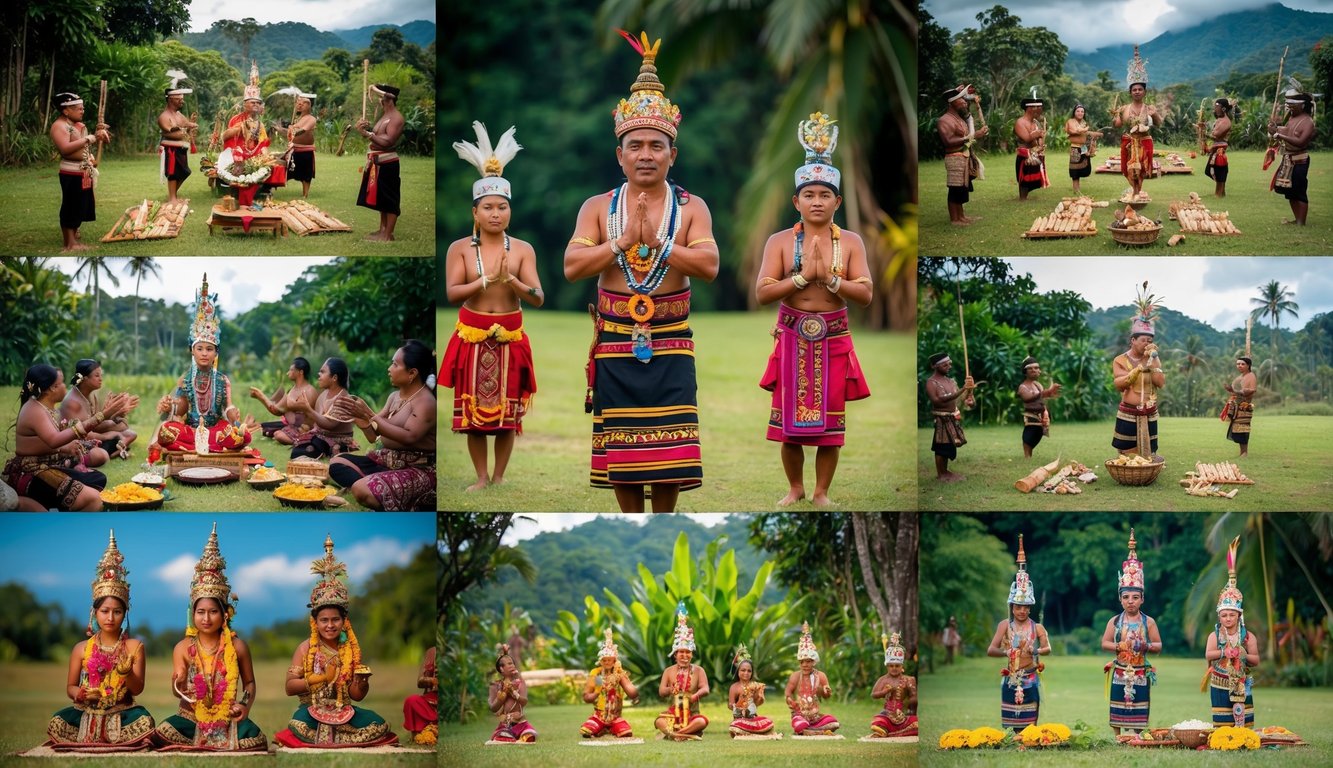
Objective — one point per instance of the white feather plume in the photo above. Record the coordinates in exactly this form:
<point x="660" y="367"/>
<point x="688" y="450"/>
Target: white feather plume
<point x="507" y="148"/>
<point x="176" y="76"/>
<point x="480" y="154"/>
<point x="290" y="90"/>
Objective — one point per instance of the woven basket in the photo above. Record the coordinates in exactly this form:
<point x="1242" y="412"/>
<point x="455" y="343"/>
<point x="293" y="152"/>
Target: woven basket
<point x="308" y="469"/>
<point x="1135" y="237"/>
<point x="1130" y="474"/>
<point x="1192" y="738"/>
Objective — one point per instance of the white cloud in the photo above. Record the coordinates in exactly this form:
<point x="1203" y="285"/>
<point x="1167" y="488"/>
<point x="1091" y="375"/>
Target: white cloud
<point x="374" y="555"/>
<point x="255" y="581"/>
<point x="177" y="573"/>
<point x="46" y="579"/>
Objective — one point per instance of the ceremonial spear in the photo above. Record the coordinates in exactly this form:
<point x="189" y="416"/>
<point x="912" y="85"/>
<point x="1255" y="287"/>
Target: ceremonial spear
<point x="101" y="120"/>
<point x="365" y="73"/>
<point x="1271" y="154"/>
<point x="962" y="328"/>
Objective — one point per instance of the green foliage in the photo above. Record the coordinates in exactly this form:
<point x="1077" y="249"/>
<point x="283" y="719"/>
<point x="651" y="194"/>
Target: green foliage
<point x="39" y="309"/>
<point x="144" y="22"/>
<point x="963" y="567"/>
<point x="311" y="77"/>
<point x="399" y="289"/>
<point x="30" y="629"/>
<point x="1004" y="58"/>
<point x="273" y="46"/>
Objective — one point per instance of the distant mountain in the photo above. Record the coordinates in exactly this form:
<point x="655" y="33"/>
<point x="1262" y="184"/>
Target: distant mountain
<point x="1204" y="55"/>
<point x="420" y="32"/>
<point x="1110" y="327"/>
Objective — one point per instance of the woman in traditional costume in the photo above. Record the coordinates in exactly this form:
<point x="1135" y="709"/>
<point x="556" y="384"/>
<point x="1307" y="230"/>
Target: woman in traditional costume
<point x="745" y="696"/>
<point x="1022" y="641"/>
<point x="46" y="470"/>
<point x="106" y="672"/>
<point x="1232" y="651"/>
<point x="1082" y="144"/>
<point x="211" y="670"/>
<point x="898" y="691"/>
<point x="291" y="422"/>
<point x="507" y="697"/>
<point x="327" y="674"/>
<point x="421" y="715"/>
<point x="1132" y="635"/>
<point x="400" y="475"/>
<point x="84" y="384"/>
<point x="329" y="434"/>
<point x="200" y="415"/>
<point x="607" y="689"/>
<point x="1239" y="410"/>
<point x="804" y="690"/>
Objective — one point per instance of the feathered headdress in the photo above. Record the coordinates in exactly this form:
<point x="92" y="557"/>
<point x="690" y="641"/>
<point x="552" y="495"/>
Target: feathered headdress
<point x="819" y="137"/>
<point x="176" y="75"/>
<point x="1145" y="311"/>
<point x="489" y="162"/>
<point x="1033" y="100"/>
<point x="1230" y="598"/>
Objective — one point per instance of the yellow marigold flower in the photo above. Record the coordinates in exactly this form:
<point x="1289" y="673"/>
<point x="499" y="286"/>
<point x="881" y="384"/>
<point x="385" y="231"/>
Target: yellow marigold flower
<point x="954" y="739"/>
<point x="985" y="736"/>
<point x="1229" y="737"/>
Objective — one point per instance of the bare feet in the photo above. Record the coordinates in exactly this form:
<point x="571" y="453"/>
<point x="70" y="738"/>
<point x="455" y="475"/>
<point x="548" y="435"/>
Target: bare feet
<point x="950" y="477"/>
<point x="822" y="500"/>
<point x="380" y="237"/>
<point x="972" y="219"/>
<point x="960" y="223"/>
<point x="497" y="481"/>
<point x="477" y="486"/>
<point x="793" y="496"/>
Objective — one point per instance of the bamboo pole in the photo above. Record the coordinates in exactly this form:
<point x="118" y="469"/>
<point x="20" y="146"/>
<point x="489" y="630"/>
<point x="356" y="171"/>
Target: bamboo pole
<point x="101" y="119"/>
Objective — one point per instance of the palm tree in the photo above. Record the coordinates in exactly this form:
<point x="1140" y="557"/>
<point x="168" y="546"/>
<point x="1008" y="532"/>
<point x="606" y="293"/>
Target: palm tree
<point x="1273" y="301"/>
<point x="838" y="57"/>
<point x="1192" y="358"/>
<point x="140" y="266"/>
<point x="91" y="269"/>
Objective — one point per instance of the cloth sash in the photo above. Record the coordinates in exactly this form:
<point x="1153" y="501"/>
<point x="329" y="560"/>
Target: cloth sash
<point x="1136" y="429"/>
<point x="1030" y="173"/>
<point x="1135" y="152"/>
<point x="956" y="169"/>
<point x="375" y="159"/>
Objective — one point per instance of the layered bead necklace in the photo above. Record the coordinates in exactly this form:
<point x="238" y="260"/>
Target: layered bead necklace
<point x="652" y="263"/>
<point x="476" y="244"/>
<point x="202" y="397"/>
<point x="835" y="265"/>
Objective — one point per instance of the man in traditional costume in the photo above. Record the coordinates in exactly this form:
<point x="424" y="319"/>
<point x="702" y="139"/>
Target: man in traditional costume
<point x="176" y="145"/>
<point x="607" y="689"/>
<point x="944" y="395"/>
<point x="1137" y="118"/>
<point x="200" y="415"/>
<point x="682" y="684"/>
<point x="1138" y="375"/>
<point x="805" y="688"/>
<point x="381" y="183"/>
<point x="507" y="698"/>
<point x="1232" y="651"/>
<point x="301" y="144"/>
<point x="77" y="173"/>
<point x="246" y="139"/>
<point x="957" y="134"/>
<point x="1036" y="418"/>
<point x="1292" y="177"/>
<point x="1022" y="641"/>
<point x="1216" y="150"/>
<point x="216" y="686"/>
<point x="106" y="672"/>
<point x="1239" y="410"/>
<point x="1131" y="635"/>
<point x="1030" y="161"/>
<point x="898" y="718"/>
<point x="327" y="674"/>
<point x="813" y="371"/>
<point x="744" y="698"/>
<point x="641" y="376"/>
<point x="488" y="363"/>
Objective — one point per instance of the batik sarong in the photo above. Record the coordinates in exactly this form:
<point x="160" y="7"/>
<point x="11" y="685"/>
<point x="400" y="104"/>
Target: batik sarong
<point x="381" y="185"/>
<point x="1230" y="691"/>
<point x="488" y="364"/>
<point x="1217" y="166"/>
<point x="1020" y="698"/>
<point x="817" y="721"/>
<point x="402" y="480"/>
<point x="364" y="729"/>
<point x="1135" y="156"/>
<point x="893" y="721"/>
<point x="317" y="443"/>
<point x="49" y="480"/>
<point x="948" y="434"/>
<point x="1239" y="414"/>
<point x="1130" y="695"/>
<point x="222" y="436"/>
<point x="180" y="732"/>
<point x="645" y="425"/>
<point x="124" y="727"/>
<point x="813" y="372"/>
<point x="289" y="425"/>
<point x="1128" y="419"/>
<point x="1029" y="175"/>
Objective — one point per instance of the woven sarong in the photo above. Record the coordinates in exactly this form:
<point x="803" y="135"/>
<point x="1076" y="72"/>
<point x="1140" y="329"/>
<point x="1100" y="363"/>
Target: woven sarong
<point x="812" y="373"/>
<point x="1217" y="167"/>
<point x="1079" y="164"/>
<point x="489" y="366"/>
<point x="1018" y="712"/>
<point x="1226" y="707"/>
<point x="1241" y="413"/>
<point x="1127" y="421"/>
<point x="1030" y="175"/>
<point x="1130" y="695"/>
<point x="948" y="434"/>
<point x="1135" y="156"/>
<point x="956" y="173"/>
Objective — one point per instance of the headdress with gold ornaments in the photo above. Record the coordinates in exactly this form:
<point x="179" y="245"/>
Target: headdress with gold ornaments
<point x="894" y="652"/>
<point x="806" y="649"/>
<point x="1230" y="598"/>
<point x="684" y="637"/>
<point x="647" y="105"/>
<point x="608" y="646"/>
<point x="331" y="589"/>
<point x="1131" y="572"/>
<point x="489" y="162"/>
<point x="742" y="656"/>
<point x="109" y="581"/>
<point x="206" y="326"/>
<point x="1021" y="592"/>
<point x="1138" y="70"/>
<point x="252" y="90"/>
<point x="819" y="137"/>
<point x="1145" y="311"/>
<point x="210" y="580"/>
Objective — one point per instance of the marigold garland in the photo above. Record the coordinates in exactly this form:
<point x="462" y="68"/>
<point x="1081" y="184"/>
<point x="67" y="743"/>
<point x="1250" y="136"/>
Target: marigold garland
<point x="954" y="739"/>
<point x="473" y="335"/>
<point x="102" y="673"/>
<point x="349" y="658"/>
<point x="212" y="707"/>
<point x="1230" y="737"/>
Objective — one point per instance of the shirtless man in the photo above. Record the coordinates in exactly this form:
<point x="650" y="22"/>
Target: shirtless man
<point x="955" y="133"/>
<point x="74" y="144"/>
<point x="1138" y="119"/>
<point x="1138" y="375"/>
<point x="1036" y="419"/>
<point x="1217" y="167"/>
<point x="944" y="395"/>
<point x="301" y="143"/>
<point x="1292" y="178"/>
<point x="682" y="684"/>
<point x="1030" y="163"/>
<point x="175" y="145"/>
<point x="381" y="184"/>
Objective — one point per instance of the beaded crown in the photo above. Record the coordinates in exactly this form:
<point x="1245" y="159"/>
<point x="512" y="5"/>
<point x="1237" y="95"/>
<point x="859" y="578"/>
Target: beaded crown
<point x="1131" y="571"/>
<point x="1021" y="592"/>
<point x="489" y="161"/>
<point x="894" y="652"/>
<point x="647" y="105"/>
<point x="608" y="646"/>
<point x="206" y="326"/>
<point x="109" y="579"/>
<point x="331" y="589"/>
<point x="819" y="137"/>
<point x="806" y="648"/>
<point x="1230" y="597"/>
<point x="252" y="90"/>
<point x="210" y="575"/>
<point x="684" y="636"/>
<point x="1138" y="70"/>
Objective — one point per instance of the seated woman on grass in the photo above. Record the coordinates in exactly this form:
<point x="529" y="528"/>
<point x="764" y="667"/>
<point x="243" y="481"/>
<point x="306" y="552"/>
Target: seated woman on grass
<point x="329" y="434"/>
<point x="291" y="423"/>
<point x="116" y="433"/>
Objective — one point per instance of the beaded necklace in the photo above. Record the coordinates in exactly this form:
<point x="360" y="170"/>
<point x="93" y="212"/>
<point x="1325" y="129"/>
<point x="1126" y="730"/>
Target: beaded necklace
<point x="476" y="243"/>
<point x="835" y="266"/>
<point x="651" y="262"/>
<point x="203" y="398"/>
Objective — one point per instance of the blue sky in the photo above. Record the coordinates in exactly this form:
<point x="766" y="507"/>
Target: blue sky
<point x="268" y="557"/>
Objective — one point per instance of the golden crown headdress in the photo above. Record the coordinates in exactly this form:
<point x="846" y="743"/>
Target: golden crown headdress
<point x="206" y="326"/>
<point x="109" y="580"/>
<point x="331" y="589"/>
<point x="647" y="105"/>
<point x="210" y="577"/>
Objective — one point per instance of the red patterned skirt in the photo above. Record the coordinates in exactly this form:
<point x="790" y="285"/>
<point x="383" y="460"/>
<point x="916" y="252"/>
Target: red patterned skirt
<point x="492" y="377"/>
<point x="813" y="372"/>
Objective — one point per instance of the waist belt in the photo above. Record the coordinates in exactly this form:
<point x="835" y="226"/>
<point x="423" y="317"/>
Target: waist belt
<point x="382" y="158"/>
<point x="175" y="143"/>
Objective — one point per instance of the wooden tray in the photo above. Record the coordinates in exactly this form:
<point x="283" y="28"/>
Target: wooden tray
<point x="232" y="461"/>
<point x="305" y="219"/>
<point x="265" y="221"/>
<point x="154" y="218"/>
<point x="1053" y="235"/>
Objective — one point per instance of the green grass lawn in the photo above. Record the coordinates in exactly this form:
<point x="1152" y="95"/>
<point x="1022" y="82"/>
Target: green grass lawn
<point x="558" y="741"/>
<point x="33" y="692"/>
<point x="229" y="497"/>
<point x="742" y="470"/>
<point x="1255" y="210"/>
<point x="1288" y="461"/>
<point x="30" y="197"/>
<point x="967" y="695"/>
